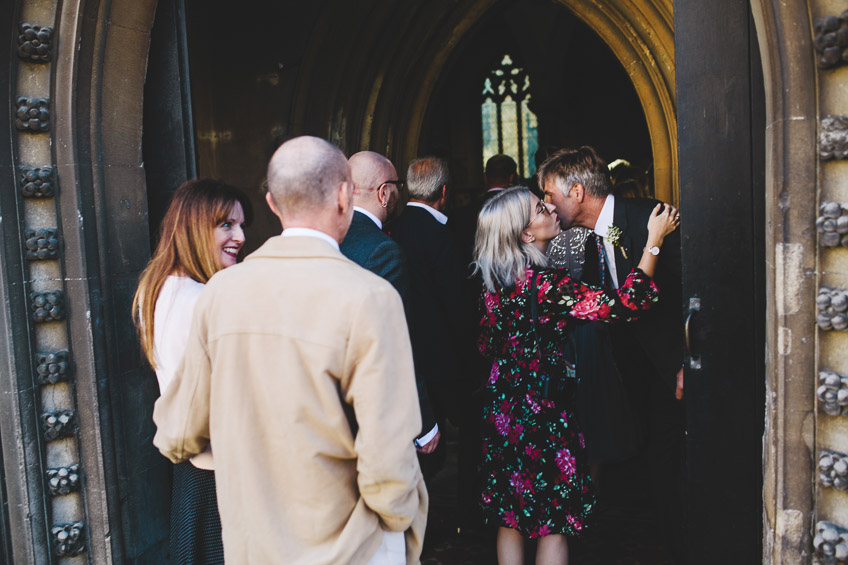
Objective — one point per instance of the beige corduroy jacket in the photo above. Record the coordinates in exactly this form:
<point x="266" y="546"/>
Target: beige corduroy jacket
<point x="286" y="350"/>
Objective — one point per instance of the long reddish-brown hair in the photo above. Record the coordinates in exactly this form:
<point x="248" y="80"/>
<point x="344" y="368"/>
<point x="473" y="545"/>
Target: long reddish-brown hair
<point x="186" y="246"/>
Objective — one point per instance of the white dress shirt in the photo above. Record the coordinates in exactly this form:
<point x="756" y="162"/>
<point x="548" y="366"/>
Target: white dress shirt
<point x="309" y="232"/>
<point x="602" y="227"/>
<point x="374" y="218"/>
<point x="441" y="218"/>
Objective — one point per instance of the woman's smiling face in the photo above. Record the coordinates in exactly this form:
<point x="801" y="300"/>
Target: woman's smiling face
<point x="229" y="236"/>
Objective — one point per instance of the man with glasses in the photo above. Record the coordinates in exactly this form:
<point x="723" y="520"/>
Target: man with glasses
<point x="375" y="197"/>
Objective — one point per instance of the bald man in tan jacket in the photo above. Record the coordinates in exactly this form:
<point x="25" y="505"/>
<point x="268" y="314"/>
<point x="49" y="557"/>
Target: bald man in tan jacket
<point x="299" y="371"/>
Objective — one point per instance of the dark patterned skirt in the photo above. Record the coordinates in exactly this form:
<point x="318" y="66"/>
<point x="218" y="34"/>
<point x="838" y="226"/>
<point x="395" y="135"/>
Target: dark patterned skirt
<point x="195" y="524"/>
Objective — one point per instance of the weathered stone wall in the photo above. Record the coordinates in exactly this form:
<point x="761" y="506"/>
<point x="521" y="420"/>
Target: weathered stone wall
<point x="830" y="41"/>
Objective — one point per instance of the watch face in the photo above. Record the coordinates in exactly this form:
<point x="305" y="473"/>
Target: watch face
<point x="654" y="250"/>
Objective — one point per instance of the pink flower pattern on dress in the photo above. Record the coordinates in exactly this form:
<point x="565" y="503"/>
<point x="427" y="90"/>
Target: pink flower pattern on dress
<point x="536" y="476"/>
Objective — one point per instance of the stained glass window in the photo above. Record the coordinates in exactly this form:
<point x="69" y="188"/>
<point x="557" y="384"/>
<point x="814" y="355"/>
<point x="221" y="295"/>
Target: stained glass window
<point x="509" y="126"/>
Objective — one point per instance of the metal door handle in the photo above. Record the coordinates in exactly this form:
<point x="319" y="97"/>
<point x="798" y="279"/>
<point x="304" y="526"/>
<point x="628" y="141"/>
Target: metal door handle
<point x="694" y="306"/>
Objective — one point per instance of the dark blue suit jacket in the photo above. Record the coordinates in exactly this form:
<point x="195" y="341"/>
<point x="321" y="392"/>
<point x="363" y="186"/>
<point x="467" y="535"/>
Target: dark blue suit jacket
<point x="370" y="248"/>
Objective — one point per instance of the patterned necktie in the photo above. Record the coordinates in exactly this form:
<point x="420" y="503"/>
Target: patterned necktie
<point x="602" y="259"/>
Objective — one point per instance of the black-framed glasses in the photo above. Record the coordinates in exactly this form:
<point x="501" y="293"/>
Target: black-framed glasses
<point x="541" y="208"/>
<point x="398" y="183"/>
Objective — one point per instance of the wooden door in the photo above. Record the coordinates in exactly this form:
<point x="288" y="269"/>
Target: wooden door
<point x="720" y="110"/>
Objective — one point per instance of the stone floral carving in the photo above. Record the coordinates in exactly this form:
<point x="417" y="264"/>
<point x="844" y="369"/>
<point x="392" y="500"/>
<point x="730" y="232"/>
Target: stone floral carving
<point x="63" y="480"/>
<point x="832" y="305"/>
<point x="68" y="539"/>
<point x="34" y="43"/>
<point x="830" y="543"/>
<point x="831" y="40"/>
<point x="42" y="244"/>
<point x="37" y="182"/>
<point x="48" y="306"/>
<point x="32" y="114"/>
<point x="832" y="225"/>
<point x="833" y="393"/>
<point x="58" y="424"/>
<point x="833" y="139"/>
<point x="52" y="368"/>
<point x="833" y="470"/>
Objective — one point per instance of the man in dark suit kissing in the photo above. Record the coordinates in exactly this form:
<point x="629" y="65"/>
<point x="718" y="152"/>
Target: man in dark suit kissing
<point x="375" y="198"/>
<point x="649" y="352"/>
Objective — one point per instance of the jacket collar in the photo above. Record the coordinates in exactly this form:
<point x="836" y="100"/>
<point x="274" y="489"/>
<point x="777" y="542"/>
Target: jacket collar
<point x="296" y="246"/>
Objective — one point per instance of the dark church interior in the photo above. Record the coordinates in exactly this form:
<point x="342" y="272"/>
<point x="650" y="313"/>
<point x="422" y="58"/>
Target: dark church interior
<point x="406" y="80"/>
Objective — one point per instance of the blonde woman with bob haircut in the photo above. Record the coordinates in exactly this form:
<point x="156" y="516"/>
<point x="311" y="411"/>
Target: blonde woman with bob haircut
<point x="535" y="471"/>
<point x="200" y="235"/>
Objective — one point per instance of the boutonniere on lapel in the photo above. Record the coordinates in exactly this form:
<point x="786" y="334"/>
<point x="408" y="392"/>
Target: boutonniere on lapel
<point x="614" y="237"/>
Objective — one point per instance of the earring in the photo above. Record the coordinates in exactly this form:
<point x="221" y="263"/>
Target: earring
<point x="384" y="204"/>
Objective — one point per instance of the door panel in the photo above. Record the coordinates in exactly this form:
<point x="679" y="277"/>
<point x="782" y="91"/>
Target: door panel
<point x="721" y="142"/>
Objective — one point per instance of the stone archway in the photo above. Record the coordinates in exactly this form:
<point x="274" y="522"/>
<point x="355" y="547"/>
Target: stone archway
<point x="95" y="83"/>
<point x="92" y="82"/>
<point x="640" y="34"/>
<point x="784" y="31"/>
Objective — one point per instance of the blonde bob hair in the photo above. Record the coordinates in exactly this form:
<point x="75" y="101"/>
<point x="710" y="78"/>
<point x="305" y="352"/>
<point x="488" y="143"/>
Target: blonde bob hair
<point x="500" y="255"/>
<point x="186" y="246"/>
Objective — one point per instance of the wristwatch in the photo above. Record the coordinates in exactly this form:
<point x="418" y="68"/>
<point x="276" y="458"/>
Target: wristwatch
<point x="653" y="250"/>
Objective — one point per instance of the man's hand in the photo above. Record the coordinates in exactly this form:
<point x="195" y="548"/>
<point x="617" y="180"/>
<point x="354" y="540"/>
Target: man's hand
<point x="678" y="394"/>
<point x="430" y="446"/>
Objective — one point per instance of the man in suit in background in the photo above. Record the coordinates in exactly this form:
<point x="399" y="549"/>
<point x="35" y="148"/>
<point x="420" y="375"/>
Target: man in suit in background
<point x="298" y="368"/>
<point x="649" y="352"/>
<point x="435" y="277"/>
<point x="375" y="198"/>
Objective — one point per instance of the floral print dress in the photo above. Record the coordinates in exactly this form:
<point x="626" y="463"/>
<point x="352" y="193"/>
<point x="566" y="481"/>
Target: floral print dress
<point x="534" y="468"/>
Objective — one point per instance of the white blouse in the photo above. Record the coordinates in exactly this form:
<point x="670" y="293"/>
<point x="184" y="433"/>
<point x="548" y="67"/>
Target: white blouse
<point x="171" y="324"/>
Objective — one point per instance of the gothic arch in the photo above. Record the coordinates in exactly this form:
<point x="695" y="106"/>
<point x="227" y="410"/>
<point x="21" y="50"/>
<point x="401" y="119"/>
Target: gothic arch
<point x="639" y="33"/>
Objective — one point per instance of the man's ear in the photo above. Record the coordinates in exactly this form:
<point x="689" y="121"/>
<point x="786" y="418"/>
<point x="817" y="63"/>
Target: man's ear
<point x="579" y="191"/>
<point x="270" y="200"/>
<point x="345" y="197"/>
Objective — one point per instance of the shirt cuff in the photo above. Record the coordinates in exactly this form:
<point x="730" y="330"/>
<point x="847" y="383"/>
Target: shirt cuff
<point x="426" y="438"/>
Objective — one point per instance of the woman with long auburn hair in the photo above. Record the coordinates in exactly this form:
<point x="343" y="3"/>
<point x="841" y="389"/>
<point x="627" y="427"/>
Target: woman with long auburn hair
<point x="535" y="473"/>
<point x="200" y="235"/>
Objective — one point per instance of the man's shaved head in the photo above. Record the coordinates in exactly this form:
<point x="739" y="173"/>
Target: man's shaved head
<point x="305" y="173"/>
<point x="369" y="170"/>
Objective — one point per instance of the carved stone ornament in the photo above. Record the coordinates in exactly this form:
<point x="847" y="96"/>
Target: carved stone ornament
<point x="833" y="140"/>
<point x="832" y="225"/>
<point x="833" y="470"/>
<point x="42" y="244"/>
<point x="830" y="543"/>
<point x="34" y="43"/>
<point x="37" y="182"/>
<point x="63" y="480"/>
<point x="52" y="368"/>
<point x="832" y="305"/>
<point x="48" y="306"/>
<point x="58" y="424"/>
<point x="32" y="114"/>
<point x="68" y="539"/>
<point x="833" y="393"/>
<point x="831" y="40"/>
